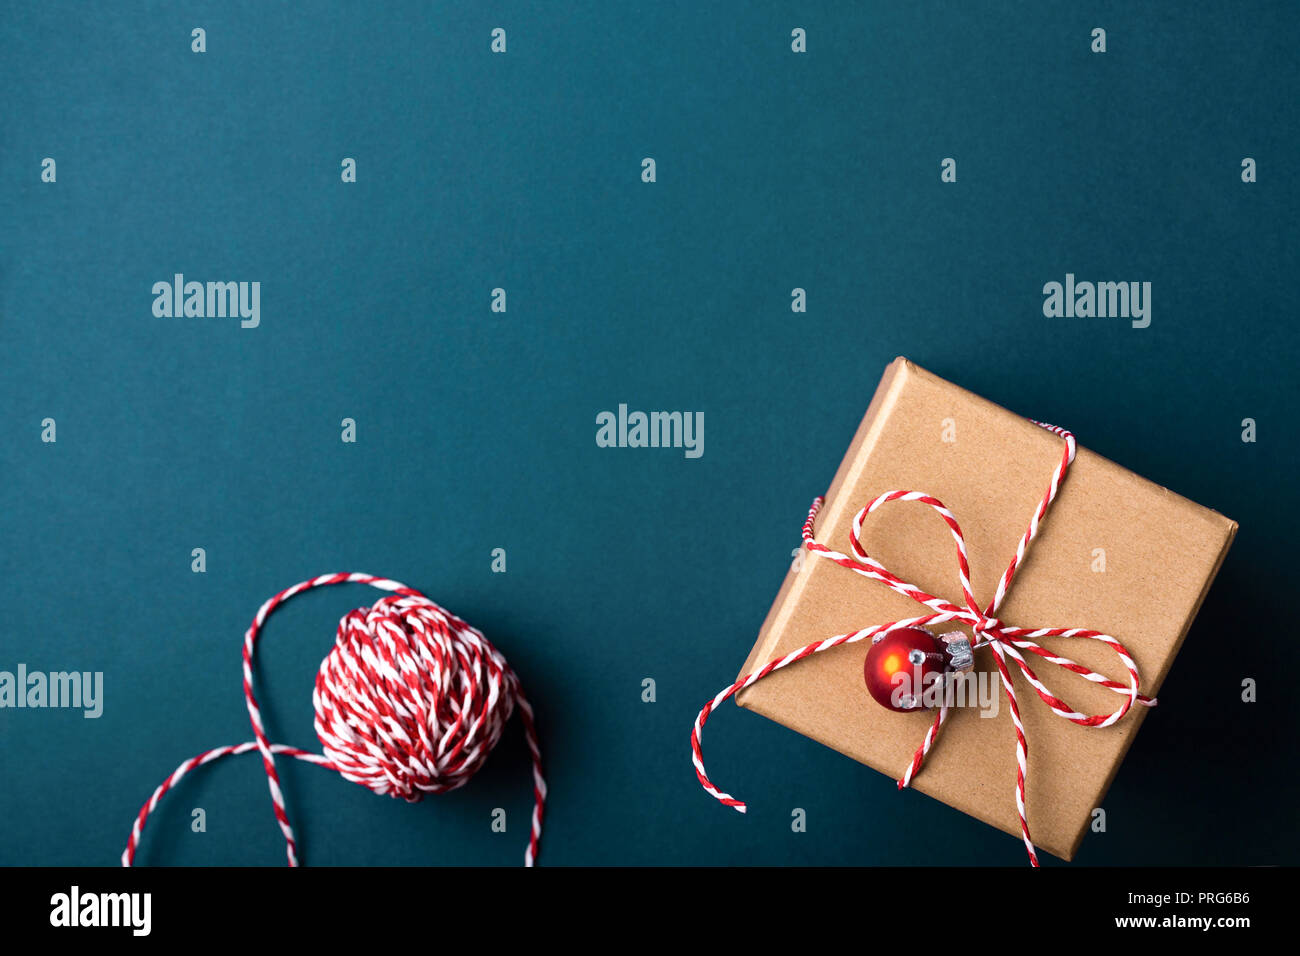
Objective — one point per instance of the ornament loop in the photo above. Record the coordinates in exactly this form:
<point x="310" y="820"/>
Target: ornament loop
<point x="961" y="656"/>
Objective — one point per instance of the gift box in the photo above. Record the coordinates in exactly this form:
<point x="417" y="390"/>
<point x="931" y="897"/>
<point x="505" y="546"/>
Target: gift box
<point x="1114" y="552"/>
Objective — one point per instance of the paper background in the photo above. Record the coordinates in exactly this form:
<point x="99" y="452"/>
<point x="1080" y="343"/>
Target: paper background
<point x="476" y="430"/>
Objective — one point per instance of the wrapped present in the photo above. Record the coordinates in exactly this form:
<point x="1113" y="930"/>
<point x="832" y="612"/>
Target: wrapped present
<point x="1048" y="588"/>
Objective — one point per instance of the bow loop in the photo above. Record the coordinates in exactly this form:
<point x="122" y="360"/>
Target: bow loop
<point x="869" y="567"/>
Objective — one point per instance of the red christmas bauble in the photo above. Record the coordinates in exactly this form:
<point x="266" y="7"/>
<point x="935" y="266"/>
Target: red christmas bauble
<point x="901" y="664"/>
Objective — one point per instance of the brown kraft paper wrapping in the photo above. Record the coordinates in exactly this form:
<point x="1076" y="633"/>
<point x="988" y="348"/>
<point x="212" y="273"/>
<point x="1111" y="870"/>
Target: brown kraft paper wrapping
<point x="1161" y="553"/>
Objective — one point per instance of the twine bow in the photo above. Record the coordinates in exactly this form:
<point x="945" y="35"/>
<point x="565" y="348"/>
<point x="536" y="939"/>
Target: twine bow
<point x="1005" y="641"/>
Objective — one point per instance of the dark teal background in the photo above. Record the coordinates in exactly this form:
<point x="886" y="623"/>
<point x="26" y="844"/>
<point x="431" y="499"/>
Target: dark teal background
<point x="476" y="430"/>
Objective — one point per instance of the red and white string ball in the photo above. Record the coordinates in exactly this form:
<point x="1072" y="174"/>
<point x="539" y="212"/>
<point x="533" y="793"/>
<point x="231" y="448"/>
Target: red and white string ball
<point x="410" y="700"/>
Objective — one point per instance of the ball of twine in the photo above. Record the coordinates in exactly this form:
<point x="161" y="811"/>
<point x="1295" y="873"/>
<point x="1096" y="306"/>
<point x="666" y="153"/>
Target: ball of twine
<point x="410" y="700"/>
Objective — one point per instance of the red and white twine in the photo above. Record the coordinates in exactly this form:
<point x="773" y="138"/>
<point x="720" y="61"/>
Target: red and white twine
<point x="409" y="701"/>
<point x="1002" y="639"/>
